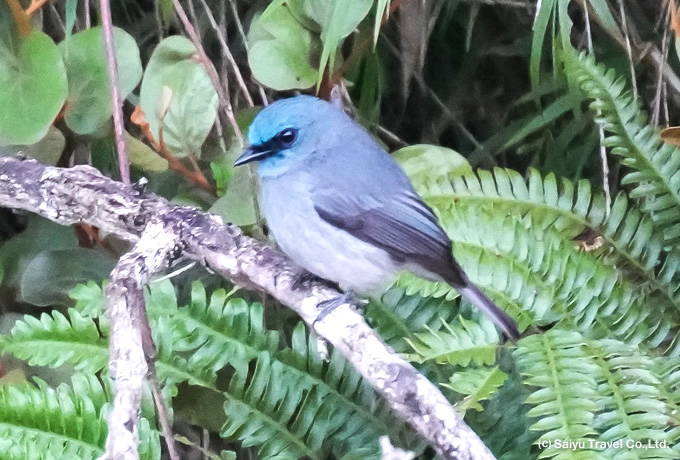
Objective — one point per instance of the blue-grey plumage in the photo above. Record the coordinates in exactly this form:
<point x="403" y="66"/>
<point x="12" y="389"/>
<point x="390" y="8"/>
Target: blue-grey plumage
<point x="340" y="206"/>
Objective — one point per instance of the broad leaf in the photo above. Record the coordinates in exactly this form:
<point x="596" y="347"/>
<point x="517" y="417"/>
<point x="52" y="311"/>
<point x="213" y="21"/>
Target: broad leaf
<point x="52" y="274"/>
<point x="178" y="96"/>
<point x="281" y="50"/>
<point x="89" y="98"/>
<point x="33" y="82"/>
<point x="334" y="20"/>
<point x="424" y="161"/>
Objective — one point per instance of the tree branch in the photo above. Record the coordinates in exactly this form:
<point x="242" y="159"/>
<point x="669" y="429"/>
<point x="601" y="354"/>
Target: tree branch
<point x="83" y="195"/>
<point x="126" y="310"/>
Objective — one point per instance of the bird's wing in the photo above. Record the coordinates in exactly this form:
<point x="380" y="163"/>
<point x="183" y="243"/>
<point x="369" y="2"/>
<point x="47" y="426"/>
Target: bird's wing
<point x="401" y="224"/>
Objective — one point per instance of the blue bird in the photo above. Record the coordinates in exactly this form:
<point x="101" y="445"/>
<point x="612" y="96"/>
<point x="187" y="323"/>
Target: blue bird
<point x="339" y="206"/>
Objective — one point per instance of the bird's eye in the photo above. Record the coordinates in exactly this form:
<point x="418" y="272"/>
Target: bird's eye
<point x="288" y="136"/>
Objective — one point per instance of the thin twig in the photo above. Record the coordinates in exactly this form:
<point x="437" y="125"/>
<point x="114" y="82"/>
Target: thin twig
<point x="194" y="18"/>
<point x="239" y="24"/>
<point x="244" y="38"/>
<point x="162" y="411"/>
<point x="664" y="57"/>
<point x="629" y="49"/>
<point x="196" y="176"/>
<point x="159" y="146"/>
<point x="263" y="95"/>
<point x="35" y="6"/>
<point x="666" y="115"/>
<point x="603" y="150"/>
<point x="643" y="50"/>
<point x="437" y="100"/>
<point x="219" y="130"/>
<point x="159" y="19"/>
<point x="226" y="52"/>
<point x="116" y="100"/>
<point x="225" y="103"/>
<point x="57" y="17"/>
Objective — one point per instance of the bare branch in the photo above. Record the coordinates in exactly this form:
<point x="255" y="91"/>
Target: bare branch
<point x="127" y="362"/>
<point x="83" y="195"/>
<point x="116" y="101"/>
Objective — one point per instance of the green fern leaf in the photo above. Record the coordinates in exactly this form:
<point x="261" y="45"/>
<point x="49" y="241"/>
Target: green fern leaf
<point x="525" y="259"/>
<point x="504" y="425"/>
<point x="654" y="177"/>
<point x="57" y="339"/>
<point x="630" y="240"/>
<point x="66" y="422"/>
<point x="397" y="315"/>
<point x="634" y="408"/>
<point x="567" y="400"/>
<point x="477" y="384"/>
<point x="222" y="332"/>
<point x="459" y="343"/>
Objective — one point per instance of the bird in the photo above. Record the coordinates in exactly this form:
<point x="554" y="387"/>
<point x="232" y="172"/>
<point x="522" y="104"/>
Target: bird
<point x="340" y="206"/>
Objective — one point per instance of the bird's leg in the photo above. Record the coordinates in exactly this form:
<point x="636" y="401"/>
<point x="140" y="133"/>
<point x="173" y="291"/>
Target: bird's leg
<point x="308" y="277"/>
<point x="329" y="305"/>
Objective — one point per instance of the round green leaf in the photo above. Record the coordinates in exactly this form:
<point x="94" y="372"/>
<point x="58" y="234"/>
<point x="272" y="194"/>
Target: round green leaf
<point x="89" y="98"/>
<point x="47" y="150"/>
<point x="143" y="157"/>
<point x="335" y="19"/>
<point x="237" y="206"/>
<point x="281" y="50"/>
<point x="424" y="160"/>
<point x="32" y="89"/>
<point x="52" y="274"/>
<point x="178" y="95"/>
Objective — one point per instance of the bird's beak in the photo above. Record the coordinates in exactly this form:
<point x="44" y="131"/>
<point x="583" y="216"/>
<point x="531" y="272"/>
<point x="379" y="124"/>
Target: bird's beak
<point x="253" y="153"/>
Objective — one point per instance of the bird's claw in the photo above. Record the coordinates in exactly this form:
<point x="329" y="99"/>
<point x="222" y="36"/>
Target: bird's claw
<point x="304" y="278"/>
<point x="327" y="306"/>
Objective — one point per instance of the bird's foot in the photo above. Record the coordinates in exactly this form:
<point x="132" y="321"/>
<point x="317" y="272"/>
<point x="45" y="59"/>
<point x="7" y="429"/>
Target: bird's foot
<point x="327" y="306"/>
<point x="307" y="277"/>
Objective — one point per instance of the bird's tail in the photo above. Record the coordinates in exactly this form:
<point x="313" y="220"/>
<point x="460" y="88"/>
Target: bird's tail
<point x="484" y="303"/>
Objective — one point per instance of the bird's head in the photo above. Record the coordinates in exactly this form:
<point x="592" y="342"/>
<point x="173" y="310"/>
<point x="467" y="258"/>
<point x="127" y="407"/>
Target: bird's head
<point x="290" y="133"/>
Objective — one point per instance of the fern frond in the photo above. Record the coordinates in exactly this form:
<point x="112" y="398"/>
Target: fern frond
<point x="475" y="384"/>
<point x="655" y="165"/>
<point x="66" y="422"/>
<point x="630" y="239"/>
<point x="266" y="406"/>
<point x="504" y="425"/>
<point x="57" y="339"/>
<point x="566" y="400"/>
<point x="263" y="411"/>
<point x="399" y="313"/>
<point x="196" y="342"/>
<point x="550" y="279"/>
<point x="634" y="407"/>
<point x="13" y="450"/>
<point x="89" y="299"/>
<point x="459" y="343"/>
<point x="668" y="371"/>
<point x="219" y="330"/>
<point x="362" y="415"/>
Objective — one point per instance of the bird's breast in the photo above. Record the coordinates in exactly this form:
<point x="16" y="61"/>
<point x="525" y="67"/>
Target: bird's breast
<point x="318" y="246"/>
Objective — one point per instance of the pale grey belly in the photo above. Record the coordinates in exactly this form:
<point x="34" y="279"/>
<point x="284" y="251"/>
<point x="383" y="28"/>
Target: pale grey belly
<point x="324" y="250"/>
